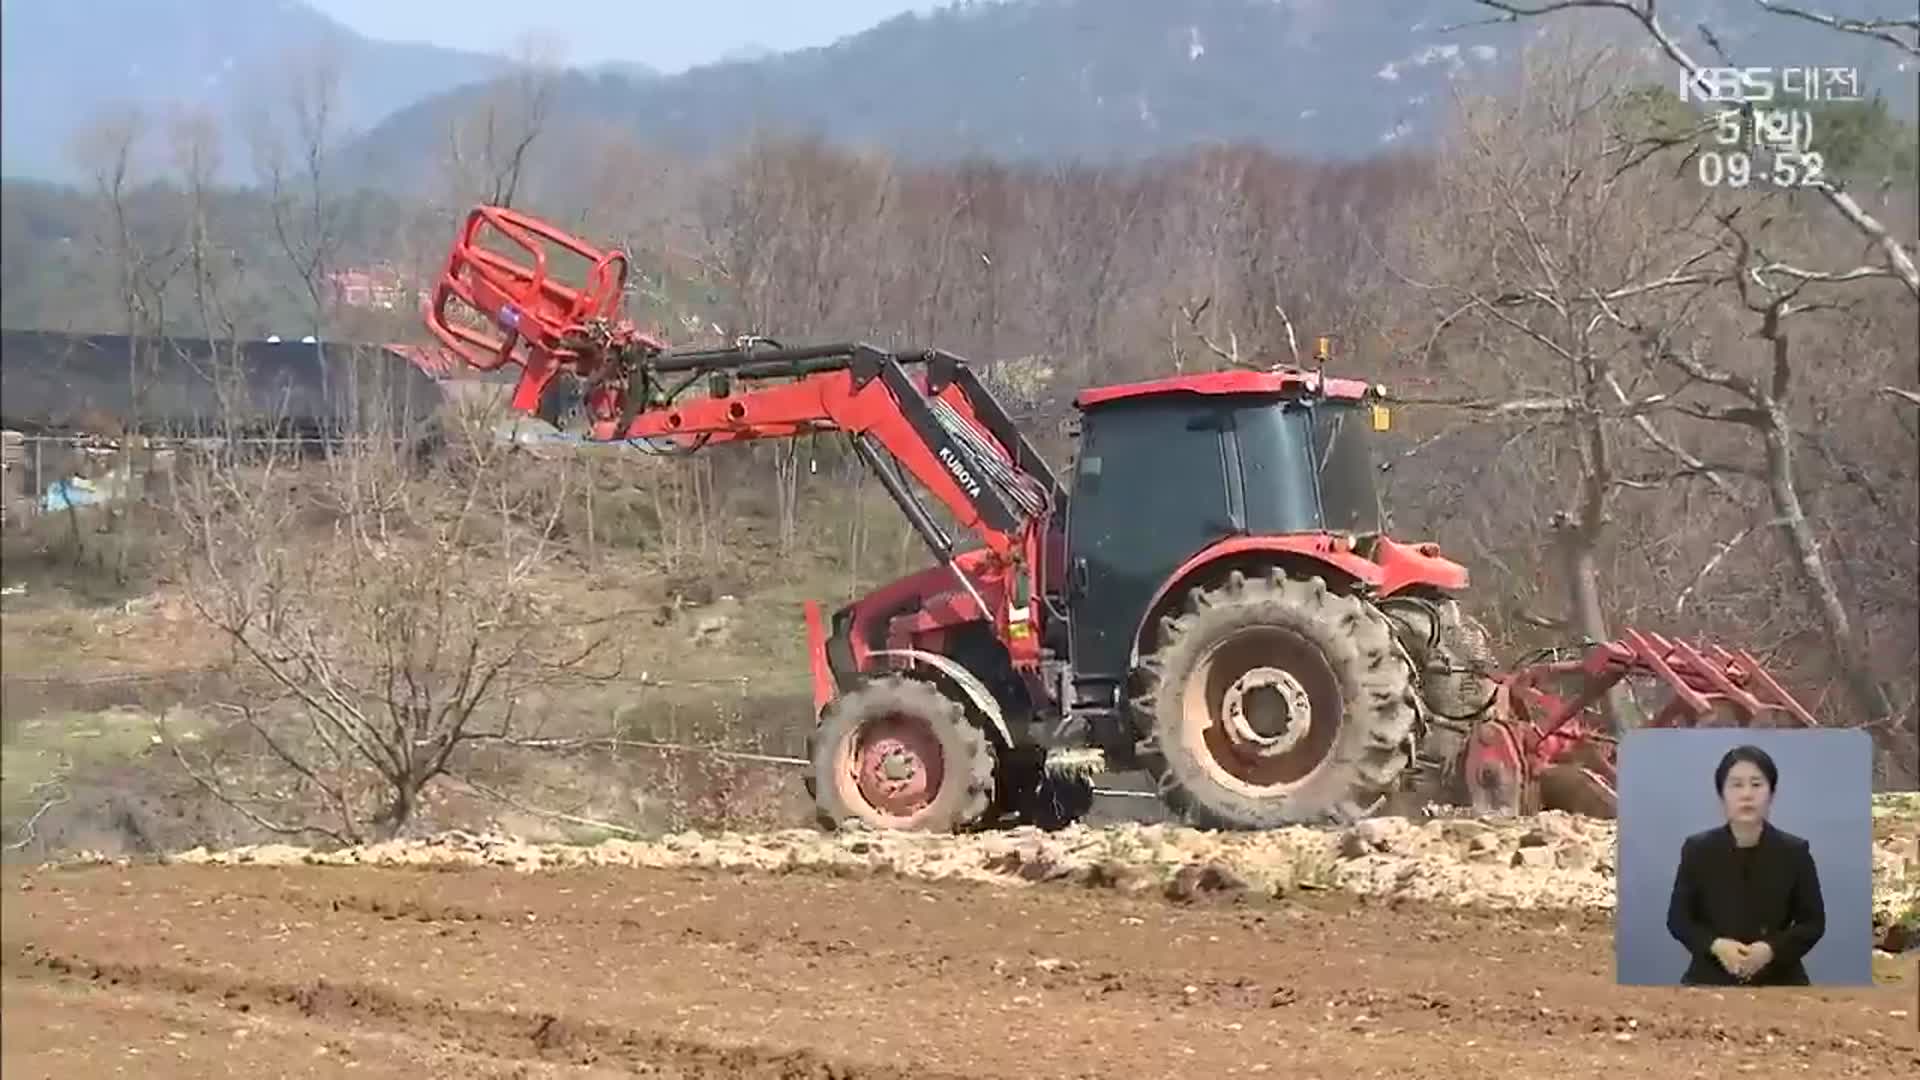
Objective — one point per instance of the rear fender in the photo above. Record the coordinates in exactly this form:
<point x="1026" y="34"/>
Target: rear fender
<point x="1410" y="567"/>
<point x="965" y="681"/>
<point x="1323" y="551"/>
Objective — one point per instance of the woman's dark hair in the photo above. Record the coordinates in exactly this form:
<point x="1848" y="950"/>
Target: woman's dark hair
<point x="1738" y="754"/>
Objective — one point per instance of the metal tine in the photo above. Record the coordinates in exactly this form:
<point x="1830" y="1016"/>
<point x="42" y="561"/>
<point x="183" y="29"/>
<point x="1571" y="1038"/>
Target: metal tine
<point x="1719" y="679"/>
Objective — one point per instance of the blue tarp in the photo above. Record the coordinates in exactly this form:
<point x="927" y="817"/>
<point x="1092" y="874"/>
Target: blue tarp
<point x="62" y="494"/>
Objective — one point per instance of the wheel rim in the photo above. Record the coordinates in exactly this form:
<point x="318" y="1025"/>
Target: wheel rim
<point x="894" y="765"/>
<point x="1261" y="709"/>
<point x="1266" y="712"/>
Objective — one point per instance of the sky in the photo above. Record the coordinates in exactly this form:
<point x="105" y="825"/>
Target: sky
<point x="669" y="35"/>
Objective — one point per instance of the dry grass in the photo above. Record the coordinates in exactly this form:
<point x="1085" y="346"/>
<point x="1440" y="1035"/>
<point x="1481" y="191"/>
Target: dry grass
<point x="88" y="672"/>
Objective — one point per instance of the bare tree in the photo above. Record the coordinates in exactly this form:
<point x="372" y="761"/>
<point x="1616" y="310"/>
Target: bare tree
<point x="112" y="150"/>
<point x="293" y="149"/>
<point x="387" y="612"/>
<point x="1089" y="218"/>
<point x="1896" y="256"/>
<point x="986" y="197"/>
<point x="1529" y="225"/>
<point x="1679" y="265"/>
<point x="789" y="235"/>
<point x="195" y="143"/>
<point x="1761" y="403"/>
<point x="1774" y="289"/>
<point x="490" y="144"/>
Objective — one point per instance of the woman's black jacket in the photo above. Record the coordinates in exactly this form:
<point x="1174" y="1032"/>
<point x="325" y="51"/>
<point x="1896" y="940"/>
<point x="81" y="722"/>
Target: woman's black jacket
<point x="1769" y="892"/>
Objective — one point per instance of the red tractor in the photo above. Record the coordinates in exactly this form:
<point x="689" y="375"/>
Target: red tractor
<point x="1213" y="600"/>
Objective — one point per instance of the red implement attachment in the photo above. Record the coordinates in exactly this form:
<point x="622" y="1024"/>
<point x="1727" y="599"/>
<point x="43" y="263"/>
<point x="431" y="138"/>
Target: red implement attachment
<point x="1538" y="749"/>
<point x="518" y="308"/>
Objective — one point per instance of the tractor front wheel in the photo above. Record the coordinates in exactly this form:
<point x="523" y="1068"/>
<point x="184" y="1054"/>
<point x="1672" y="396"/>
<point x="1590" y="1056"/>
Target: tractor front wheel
<point x="1275" y="701"/>
<point x="896" y="753"/>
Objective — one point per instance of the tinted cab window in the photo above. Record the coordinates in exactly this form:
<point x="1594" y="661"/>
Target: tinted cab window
<point x="1149" y="490"/>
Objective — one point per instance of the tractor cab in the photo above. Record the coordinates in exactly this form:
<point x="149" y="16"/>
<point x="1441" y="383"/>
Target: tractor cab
<point x="1168" y="469"/>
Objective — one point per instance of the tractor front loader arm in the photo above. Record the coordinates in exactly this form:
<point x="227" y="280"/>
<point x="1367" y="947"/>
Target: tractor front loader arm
<point x="502" y="299"/>
<point x="874" y="400"/>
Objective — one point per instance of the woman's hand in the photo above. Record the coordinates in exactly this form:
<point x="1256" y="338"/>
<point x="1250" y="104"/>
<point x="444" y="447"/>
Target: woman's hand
<point x="1758" y="956"/>
<point x="1732" y="955"/>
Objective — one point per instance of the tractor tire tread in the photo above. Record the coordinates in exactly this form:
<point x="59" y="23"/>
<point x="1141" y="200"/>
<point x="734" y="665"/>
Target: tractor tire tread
<point x="1367" y="756"/>
<point x="970" y="760"/>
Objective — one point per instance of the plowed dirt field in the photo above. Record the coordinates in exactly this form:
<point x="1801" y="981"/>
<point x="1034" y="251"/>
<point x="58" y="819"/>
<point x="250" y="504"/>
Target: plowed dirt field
<point x="298" y="971"/>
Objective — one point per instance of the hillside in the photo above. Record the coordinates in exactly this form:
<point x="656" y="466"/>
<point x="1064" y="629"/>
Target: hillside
<point x="1014" y="79"/>
<point x="1106" y="79"/>
<point x="1042" y="79"/>
<point x="58" y="270"/>
<point x="221" y="55"/>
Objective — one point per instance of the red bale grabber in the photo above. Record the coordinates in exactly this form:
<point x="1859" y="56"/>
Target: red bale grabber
<point x="520" y="312"/>
<point x="1536" y="749"/>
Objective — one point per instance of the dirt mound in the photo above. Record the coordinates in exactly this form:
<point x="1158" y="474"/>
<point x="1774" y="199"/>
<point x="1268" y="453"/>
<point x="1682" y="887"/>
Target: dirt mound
<point x="1896" y="870"/>
<point x="1550" y="861"/>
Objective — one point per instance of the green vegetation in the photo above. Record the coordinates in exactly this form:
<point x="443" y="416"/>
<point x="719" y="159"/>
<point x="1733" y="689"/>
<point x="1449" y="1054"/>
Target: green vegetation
<point x="1863" y="144"/>
<point x="61" y="270"/>
<point x="45" y="752"/>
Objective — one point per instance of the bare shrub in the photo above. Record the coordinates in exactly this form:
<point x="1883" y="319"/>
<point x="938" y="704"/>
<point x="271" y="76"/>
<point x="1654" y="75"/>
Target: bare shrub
<point x="386" y="603"/>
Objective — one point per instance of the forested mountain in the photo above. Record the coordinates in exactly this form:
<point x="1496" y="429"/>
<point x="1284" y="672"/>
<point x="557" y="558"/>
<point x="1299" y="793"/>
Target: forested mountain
<point x="62" y="63"/>
<point x="1117" y="79"/>
<point x="1013" y="79"/>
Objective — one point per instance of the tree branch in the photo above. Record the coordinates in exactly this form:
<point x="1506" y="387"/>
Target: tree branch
<point x="1900" y="262"/>
<point x="1293" y="343"/>
<point x="1720" y="553"/>
<point x="1878" y="29"/>
<point x="211" y="784"/>
<point x="26" y="835"/>
<point x="1229" y="355"/>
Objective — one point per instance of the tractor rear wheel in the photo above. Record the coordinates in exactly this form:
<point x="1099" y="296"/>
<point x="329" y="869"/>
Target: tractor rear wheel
<point x="896" y="753"/>
<point x="1275" y="701"/>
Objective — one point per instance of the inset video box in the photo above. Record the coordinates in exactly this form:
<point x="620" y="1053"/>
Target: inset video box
<point x="1746" y="858"/>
